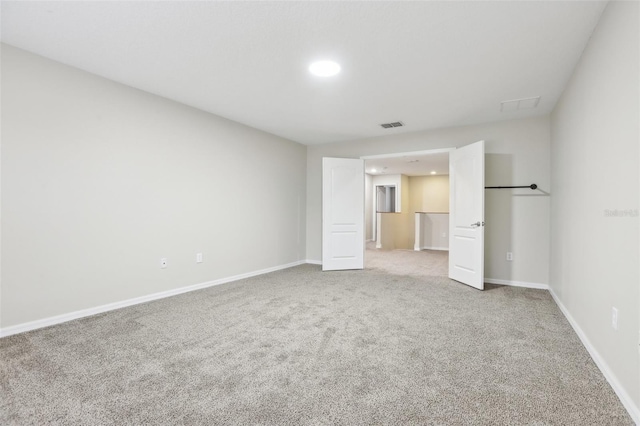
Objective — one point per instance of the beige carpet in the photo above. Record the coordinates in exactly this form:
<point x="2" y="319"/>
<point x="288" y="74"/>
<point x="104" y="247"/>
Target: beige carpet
<point x="424" y="263"/>
<point x="303" y="347"/>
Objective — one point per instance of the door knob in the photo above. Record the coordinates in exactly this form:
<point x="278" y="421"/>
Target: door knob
<point x="475" y="225"/>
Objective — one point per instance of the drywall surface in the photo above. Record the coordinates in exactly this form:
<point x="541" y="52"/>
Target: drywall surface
<point x="429" y="193"/>
<point x="395" y="229"/>
<point x="100" y="181"/>
<point x="434" y="231"/>
<point x="517" y="153"/>
<point x="417" y="194"/>
<point x="595" y="193"/>
<point x="404" y="237"/>
<point x="391" y="233"/>
<point x="368" y="207"/>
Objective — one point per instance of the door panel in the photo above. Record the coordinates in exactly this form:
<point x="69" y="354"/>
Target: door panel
<point x="466" y="215"/>
<point x="342" y="214"/>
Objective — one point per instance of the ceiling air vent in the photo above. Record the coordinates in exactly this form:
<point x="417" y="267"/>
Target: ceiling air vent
<point x="518" y="104"/>
<point x="391" y="125"/>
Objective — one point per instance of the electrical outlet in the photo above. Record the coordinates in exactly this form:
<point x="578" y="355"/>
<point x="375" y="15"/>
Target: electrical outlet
<point x="614" y="318"/>
<point x="509" y="256"/>
<point x="198" y="257"/>
<point x="163" y="262"/>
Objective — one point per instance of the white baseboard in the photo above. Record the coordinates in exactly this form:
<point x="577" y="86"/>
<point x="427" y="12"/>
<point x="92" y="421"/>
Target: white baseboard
<point x="58" y="319"/>
<point x="313" y="262"/>
<point x="435" y="248"/>
<point x="625" y="398"/>
<point x="517" y="283"/>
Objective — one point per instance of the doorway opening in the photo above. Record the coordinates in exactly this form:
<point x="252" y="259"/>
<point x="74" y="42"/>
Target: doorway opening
<point x="406" y="213"/>
<point x="386" y="198"/>
<point x="343" y="206"/>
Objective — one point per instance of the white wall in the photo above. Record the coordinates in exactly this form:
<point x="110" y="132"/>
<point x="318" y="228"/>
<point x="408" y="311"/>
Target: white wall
<point x="517" y="220"/>
<point x="99" y="181"/>
<point x="594" y="257"/>
<point x="434" y="231"/>
<point x="369" y="211"/>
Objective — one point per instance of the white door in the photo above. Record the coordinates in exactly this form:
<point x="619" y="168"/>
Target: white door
<point x="466" y="215"/>
<point x="342" y="214"/>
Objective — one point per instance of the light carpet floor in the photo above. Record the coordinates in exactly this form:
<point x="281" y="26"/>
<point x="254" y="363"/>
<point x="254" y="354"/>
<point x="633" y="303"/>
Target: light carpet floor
<point x="300" y="346"/>
<point x="423" y="263"/>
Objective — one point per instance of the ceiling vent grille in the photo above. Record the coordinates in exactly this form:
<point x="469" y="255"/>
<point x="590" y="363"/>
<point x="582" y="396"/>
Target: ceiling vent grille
<point x="392" y="125"/>
<point x="518" y="104"/>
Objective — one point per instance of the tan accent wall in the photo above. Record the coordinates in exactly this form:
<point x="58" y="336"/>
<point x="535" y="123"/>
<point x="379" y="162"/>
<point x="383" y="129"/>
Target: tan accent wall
<point x="397" y="228"/>
<point x="429" y="194"/>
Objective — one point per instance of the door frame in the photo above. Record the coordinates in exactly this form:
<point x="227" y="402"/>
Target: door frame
<point x="396" y="155"/>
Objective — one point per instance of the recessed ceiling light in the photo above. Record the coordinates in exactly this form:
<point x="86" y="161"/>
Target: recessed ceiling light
<point x="433" y="172"/>
<point x="373" y="170"/>
<point x="324" y="68"/>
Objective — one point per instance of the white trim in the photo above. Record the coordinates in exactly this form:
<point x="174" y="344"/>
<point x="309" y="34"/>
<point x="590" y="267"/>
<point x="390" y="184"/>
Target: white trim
<point x="435" y="248"/>
<point x="313" y="262"/>
<point x="624" y="397"/>
<point x="525" y="284"/>
<point x="404" y="154"/>
<point x="58" y="319"/>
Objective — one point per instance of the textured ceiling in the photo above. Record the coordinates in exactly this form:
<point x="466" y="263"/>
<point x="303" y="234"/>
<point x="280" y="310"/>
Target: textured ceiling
<point x="429" y="64"/>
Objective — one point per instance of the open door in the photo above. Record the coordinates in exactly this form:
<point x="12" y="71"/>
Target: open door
<point x="466" y="215"/>
<point x="342" y="214"/>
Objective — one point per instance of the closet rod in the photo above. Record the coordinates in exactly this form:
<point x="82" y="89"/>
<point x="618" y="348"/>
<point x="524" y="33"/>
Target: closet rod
<point x="532" y="186"/>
